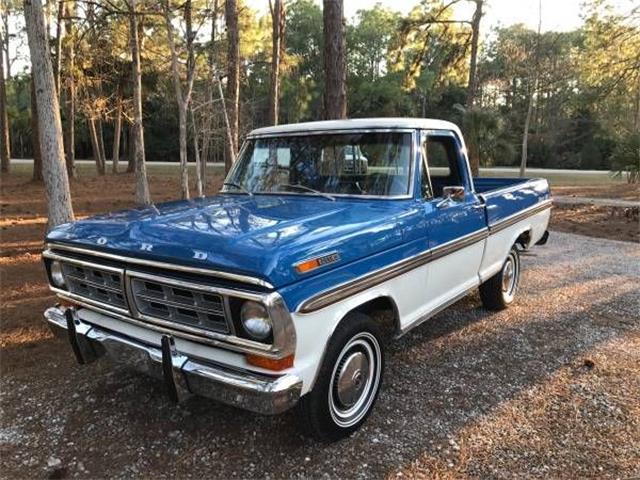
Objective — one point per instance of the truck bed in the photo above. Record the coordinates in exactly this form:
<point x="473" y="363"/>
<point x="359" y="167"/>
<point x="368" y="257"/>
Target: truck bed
<point x="507" y="197"/>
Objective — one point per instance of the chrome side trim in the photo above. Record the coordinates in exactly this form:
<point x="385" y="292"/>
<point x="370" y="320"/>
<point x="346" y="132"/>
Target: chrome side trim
<point x="345" y="290"/>
<point x="521" y="215"/>
<point x="377" y="277"/>
<point x="153" y="263"/>
<point x="458" y="244"/>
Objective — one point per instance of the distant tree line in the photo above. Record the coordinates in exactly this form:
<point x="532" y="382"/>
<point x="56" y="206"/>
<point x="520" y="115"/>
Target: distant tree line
<point x="580" y="89"/>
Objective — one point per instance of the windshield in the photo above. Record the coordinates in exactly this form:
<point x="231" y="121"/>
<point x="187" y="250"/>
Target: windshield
<point x="372" y="163"/>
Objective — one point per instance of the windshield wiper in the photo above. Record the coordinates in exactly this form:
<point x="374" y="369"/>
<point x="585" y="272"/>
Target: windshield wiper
<point x="239" y="187"/>
<point x="307" y="189"/>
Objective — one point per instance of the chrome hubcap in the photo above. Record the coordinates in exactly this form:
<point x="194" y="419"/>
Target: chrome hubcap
<point x="355" y="379"/>
<point x="352" y="378"/>
<point x="509" y="276"/>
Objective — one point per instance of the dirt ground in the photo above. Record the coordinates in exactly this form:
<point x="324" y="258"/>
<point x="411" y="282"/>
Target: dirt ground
<point x="548" y="388"/>
<point x="620" y="191"/>
<point x="615" y="223"/>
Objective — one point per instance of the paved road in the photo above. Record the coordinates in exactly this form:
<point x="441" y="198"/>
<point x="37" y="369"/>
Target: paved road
<point x="62" y="420"/>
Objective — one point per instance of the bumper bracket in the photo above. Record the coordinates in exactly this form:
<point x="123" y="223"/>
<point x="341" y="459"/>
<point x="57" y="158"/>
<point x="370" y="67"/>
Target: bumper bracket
<point x="183" y="376"/>
<point x="172" y="363"/>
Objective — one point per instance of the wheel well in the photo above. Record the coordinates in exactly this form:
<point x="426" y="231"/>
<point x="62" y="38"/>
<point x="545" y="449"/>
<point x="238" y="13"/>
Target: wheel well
<point x="524" y="239"/>
<point x="384" y="311"/>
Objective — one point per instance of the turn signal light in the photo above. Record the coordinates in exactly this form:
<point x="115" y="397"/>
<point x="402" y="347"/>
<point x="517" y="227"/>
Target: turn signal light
<point x="308" y="265"/>
<point x="313" y="263"/>
<point x="270" y="363"/>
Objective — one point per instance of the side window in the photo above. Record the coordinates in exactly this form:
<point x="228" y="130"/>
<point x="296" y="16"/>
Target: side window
<point x="442" y="159"/>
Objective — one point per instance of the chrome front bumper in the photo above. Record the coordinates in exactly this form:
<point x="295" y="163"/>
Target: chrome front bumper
<point x="182" y="375"/>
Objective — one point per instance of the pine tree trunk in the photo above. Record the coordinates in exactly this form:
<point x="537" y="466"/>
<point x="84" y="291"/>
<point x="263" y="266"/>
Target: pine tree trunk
<point x="70" y="90"/>
<point x="182" y="134"/>
<point x="117" y="130"/>
<point x="57" y="56"/>
<point x="50" y="132"/>
<point x="233" y="81"/>
<point x="183" y="102"/>
<point x="277" y="42"/>
<point x="525" y="133"/>
<point x="142" y="186"/>
<point x="335" y="68"/>
<point x="131" y="159"/>
<point x="196" y="152"/>
<point x="474" y="157"/>
<point x="230" y="155"/>
<point x="35" y="137"/>
<point x="95" y="145"/>
<point x="5" y="152"/>
<point x="208" y="115"/>
<point x="473" y="61"/>
<point x="532" y="92"/>
<point x="5" y="44"/>
<point x="103" y="153"/>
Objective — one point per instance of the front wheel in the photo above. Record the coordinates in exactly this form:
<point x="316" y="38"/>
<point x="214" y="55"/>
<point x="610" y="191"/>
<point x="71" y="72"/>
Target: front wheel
<point x="348" y="382"/>
<point x="498" y="292"/>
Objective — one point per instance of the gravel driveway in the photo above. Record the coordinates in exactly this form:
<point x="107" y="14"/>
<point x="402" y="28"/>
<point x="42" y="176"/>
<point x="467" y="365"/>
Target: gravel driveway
<point x="446" y="404"/>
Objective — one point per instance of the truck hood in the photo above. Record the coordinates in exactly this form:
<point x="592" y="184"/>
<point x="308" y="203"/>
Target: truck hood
<point x="262" y="236"/>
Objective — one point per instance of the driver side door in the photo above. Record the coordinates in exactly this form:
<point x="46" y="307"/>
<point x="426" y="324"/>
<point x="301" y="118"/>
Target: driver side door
<point x="456" y="226"/>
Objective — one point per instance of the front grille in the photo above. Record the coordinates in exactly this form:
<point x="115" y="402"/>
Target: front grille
<point x="95" y="284"/>
<point x="161" y="298"/>
<point x="185" y="305"/>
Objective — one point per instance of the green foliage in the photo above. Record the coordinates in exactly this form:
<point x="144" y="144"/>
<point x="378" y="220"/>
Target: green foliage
<point x="588" y="88"/>
<point x="625" y="158"/>
<point x="301" y="97"/>
<point x="19" y="112"/>
<point x="485" y="128"/>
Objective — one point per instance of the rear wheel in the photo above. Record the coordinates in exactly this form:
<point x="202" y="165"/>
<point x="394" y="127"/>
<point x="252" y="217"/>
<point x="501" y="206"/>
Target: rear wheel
<point x="498" y="292"/>
<point x="348" y="382"/>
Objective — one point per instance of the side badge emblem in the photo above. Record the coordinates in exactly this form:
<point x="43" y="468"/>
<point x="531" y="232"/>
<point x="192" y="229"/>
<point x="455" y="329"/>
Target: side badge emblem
<point x="198" y="255"/>
<point x="147" y="247"/>
<point x="101" y="241"/>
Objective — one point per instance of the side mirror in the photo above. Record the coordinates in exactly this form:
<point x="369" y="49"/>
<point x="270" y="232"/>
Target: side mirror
<point x="451" y="195"/>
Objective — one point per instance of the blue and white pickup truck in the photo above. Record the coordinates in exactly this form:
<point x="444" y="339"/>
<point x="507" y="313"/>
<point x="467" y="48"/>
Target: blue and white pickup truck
<point x="268" y="295"/>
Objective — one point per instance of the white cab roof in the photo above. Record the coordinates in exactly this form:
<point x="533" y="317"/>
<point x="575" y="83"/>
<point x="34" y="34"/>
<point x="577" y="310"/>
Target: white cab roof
<point x="359" y="123"/>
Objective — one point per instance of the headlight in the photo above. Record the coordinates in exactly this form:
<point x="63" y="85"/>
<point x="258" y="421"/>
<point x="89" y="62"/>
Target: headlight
<point x="57" y="278"/>
<point x="255" y="320"/>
